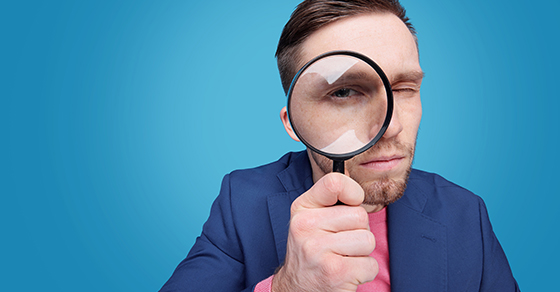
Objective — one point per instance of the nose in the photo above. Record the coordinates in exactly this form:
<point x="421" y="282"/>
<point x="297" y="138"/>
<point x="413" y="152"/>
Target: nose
<point x="395" y="126"/>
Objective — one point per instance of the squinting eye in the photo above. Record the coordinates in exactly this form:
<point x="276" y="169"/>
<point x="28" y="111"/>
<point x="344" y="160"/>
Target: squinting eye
<point x="344" y="92"/>
<point x="403" y="90"/>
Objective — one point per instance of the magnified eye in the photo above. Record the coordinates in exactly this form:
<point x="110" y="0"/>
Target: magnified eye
<point x="344" y="92"/>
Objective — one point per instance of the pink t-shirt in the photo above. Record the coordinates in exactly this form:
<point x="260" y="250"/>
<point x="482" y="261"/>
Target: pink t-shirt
<point x="378" y="226"/>
<point x="382" y="282"/>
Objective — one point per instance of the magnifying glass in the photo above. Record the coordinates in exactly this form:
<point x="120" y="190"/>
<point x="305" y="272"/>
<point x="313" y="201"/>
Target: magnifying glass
<point x="339" y="105"/>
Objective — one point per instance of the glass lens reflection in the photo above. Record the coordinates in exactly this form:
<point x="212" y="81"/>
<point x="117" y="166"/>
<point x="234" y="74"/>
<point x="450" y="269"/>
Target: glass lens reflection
<point x="338" y="104"/>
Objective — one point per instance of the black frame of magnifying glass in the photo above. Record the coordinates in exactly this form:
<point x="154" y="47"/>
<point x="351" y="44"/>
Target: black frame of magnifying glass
<point x="338" y="159"/>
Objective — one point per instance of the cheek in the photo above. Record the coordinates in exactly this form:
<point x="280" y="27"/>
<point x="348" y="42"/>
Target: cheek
<point x="418" y="112"/>
<point x="320" y="165"/>
<point x="411" y="114"/>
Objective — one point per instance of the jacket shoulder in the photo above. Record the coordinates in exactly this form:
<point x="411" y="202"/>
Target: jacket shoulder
<point x="442" y="200"/>
<point x="262" y="179"/>
<point x="435" y="187"/>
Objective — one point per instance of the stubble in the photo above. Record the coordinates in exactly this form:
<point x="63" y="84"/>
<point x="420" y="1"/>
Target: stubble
<point x="381" y="191"/>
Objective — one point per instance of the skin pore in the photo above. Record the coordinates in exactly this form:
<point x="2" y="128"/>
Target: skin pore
<point x="383" y="170"/>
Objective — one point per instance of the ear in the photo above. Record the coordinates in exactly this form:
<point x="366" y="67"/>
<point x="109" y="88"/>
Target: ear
<point x="287" y="125"/>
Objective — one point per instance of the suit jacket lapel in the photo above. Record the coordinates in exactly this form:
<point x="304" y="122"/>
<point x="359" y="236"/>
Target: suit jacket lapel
<point x="296" y="179"/>
<point x="417" y="245"/>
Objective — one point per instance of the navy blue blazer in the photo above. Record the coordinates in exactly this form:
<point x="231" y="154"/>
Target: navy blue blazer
<point x="440" y="237"/>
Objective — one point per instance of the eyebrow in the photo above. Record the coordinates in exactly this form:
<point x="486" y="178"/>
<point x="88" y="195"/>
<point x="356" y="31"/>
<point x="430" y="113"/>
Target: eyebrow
<point x="408" y="76"/>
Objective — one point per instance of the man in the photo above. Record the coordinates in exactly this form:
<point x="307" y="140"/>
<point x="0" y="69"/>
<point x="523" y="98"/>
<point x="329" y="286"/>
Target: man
<point x="279" y="227"/>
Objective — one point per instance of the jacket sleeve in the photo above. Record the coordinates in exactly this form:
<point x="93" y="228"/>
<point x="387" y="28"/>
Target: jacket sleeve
<point x="497" y="275"/>
<point x="215" y="262"/>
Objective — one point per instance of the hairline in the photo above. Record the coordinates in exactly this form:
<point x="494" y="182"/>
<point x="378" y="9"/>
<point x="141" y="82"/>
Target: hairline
<point x="295" y="50"/>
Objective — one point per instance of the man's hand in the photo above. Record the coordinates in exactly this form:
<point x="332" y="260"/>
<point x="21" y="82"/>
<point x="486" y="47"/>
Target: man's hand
<point x="328" y="245"/>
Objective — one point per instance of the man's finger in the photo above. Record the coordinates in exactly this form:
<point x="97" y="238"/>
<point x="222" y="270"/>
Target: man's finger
<point x="331" y="219"/>
<point x="352" y="243"/>
<point x="330" y="189"/>
<point x="365" y="269"/>
<point x="349" y="272"/>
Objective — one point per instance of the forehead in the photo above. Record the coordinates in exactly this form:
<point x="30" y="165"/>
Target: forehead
<point x="383" y="37"/>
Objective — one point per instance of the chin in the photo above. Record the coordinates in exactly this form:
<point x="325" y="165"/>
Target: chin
<point x="386" y="190"/>
<point x="386" y="187"/>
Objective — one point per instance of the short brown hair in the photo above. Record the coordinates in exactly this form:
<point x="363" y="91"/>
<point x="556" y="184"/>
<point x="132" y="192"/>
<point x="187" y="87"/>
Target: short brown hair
<point x="310" y="15"/>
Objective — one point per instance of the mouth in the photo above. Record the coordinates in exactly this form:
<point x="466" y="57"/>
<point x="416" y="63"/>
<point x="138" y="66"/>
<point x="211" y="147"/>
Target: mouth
<point x="383" y="163"/>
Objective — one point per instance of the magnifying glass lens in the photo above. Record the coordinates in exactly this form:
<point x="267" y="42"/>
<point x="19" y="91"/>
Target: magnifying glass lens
<point x="338" y="105"/>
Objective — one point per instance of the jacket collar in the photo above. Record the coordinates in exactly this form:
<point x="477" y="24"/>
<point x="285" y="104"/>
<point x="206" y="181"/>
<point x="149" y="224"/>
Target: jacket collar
<point x="417" y="242"/>
<point x="296" y="178"/>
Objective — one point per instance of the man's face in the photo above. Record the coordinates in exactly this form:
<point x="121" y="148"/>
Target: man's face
<point x="382" y="171"/>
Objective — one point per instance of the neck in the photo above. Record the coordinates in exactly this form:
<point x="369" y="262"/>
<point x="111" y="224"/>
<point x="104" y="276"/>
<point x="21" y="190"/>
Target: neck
<point x="373" y="208"/>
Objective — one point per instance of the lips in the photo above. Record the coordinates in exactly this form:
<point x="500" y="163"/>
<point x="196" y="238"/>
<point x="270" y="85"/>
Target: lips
<point x="383" y="163"/>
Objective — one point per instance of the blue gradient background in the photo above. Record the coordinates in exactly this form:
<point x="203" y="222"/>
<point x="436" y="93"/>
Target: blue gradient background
<point x="119" y="119"/>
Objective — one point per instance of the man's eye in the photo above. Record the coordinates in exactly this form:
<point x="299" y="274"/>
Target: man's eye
<point x="404" y="90"/>
<point x="344" y="92"/>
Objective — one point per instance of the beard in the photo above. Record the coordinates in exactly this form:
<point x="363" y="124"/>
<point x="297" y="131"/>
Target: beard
<point x="383" y="190"/>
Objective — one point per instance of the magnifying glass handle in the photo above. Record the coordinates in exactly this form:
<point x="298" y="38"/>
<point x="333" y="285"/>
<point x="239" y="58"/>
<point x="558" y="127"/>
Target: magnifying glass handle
<point x="338" y="166"/>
